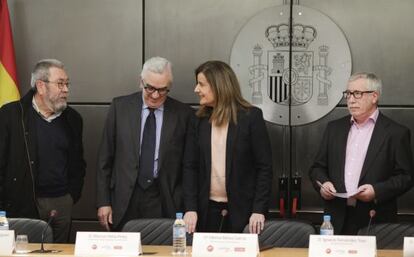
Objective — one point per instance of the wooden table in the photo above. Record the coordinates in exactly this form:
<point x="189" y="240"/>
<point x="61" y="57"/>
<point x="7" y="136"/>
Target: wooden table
<point x="165" y="251"/>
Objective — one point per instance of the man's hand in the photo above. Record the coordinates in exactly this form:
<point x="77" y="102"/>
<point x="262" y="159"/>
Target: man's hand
<point x="256" y="223"/>
<point x="105" y="216"/>
<point x="190" y="219"/>
<point x="366" y="193"/>
<point x="327" y="190"/>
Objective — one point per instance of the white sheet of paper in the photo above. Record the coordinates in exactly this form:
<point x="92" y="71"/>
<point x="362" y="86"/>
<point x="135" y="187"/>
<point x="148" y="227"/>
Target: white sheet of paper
<point x="6" y="242"/>
<point x="342" y="246"/>
<point x="225" y="244"/>
<point x="408" y="247"/>
<point x="345" y="195"/>
<point x="340" y="195"/>
<point x="108" y="244"/>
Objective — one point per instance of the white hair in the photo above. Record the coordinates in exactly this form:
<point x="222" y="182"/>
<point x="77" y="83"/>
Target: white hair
<point x="157" y="65"/>
<point x="41" y="70"/>
<point x="374" y="83"/>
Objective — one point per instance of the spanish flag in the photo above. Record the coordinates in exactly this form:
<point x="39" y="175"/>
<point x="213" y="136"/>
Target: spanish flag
<point x="8" y="77"/>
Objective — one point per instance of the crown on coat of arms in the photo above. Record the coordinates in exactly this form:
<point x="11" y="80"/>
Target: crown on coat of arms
<point x="302" y="35"/>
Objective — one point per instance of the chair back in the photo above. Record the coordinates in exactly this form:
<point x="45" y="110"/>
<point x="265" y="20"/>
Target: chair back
<point x="389" y="235"/>
<point x="285" y="233"/>
<point x="33" y="228"/>
<point x="153" y="231"/>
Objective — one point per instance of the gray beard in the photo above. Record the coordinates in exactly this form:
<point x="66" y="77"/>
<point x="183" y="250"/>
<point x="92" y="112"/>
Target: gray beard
<point x="60" y="107"/>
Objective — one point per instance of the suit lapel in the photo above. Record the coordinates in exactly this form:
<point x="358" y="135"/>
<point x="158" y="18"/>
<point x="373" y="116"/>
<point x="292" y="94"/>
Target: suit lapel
<point x="205" y="143"/>
<point x="134" y="116"/>
<point x="342" y="136"/>
<point x="230" y="147"/>
<point x="169" y="122"/>
<point x="377" y="139"/>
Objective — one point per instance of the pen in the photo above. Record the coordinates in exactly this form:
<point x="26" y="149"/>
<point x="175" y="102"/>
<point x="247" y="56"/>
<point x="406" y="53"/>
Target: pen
<point x="322" y="186"/>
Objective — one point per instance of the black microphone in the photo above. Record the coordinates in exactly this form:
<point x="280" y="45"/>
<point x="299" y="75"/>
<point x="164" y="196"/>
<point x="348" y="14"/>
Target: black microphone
<point x="52" y="215"/>
<point x="223" y="215"/>
<point x="371" y="216"/>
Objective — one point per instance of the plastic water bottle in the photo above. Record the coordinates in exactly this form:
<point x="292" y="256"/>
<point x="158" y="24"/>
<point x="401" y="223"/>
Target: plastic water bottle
<point x="179" y="239"/>
<point x="326" y="227"/>
<point x="4" y="223"/>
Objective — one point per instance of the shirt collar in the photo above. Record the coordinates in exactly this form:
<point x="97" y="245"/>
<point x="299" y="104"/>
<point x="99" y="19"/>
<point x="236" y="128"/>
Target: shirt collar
<point x="373" y="118"/>
<point x="50" y="118"/>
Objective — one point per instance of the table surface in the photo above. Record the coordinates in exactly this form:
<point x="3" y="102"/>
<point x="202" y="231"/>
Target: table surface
<point x="165" y="251"/>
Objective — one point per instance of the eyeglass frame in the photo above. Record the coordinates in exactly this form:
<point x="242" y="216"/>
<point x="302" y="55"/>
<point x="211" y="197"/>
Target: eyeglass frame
<point x="60" y="84"/>
<point x="347" y="94"/>
<point x="151" y="89"/>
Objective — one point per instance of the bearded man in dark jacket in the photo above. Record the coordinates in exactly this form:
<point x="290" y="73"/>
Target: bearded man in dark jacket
<point x="41" y="152"/>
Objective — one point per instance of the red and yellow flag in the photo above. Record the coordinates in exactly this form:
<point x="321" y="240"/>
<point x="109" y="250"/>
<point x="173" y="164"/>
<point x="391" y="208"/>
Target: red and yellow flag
<point x="8" y="77"/>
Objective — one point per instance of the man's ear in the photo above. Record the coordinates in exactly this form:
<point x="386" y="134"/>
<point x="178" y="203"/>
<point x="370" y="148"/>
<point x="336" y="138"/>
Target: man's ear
<point x="375" y="98"/>
<point x="40" y="87"/>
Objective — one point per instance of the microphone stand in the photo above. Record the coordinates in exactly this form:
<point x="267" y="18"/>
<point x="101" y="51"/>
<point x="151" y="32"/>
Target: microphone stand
<point x="42" y="248"/>
<point x="371" y="216"/>
<point x="223" y="215"/>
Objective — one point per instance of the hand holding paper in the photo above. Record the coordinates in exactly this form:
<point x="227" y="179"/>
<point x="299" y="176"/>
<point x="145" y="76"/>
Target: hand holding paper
<point x="327" y="190"/>
<point x="365" y="193"/>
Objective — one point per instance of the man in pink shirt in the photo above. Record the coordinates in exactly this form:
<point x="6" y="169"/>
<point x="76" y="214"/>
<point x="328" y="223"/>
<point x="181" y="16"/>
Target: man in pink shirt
<point x="366" y="155"/>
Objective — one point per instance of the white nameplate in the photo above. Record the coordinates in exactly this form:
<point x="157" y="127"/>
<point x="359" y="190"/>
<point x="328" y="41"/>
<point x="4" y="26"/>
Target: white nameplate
<point x="107" y="244"/>
<point x="355" y="246"/>
<point x="225" y="244"/>
<point x="6" y="242"/>
<point x="408" y="247"/>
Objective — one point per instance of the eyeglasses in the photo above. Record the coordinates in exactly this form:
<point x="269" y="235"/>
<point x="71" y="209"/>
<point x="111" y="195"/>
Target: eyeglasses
<point x="151" y="89"/>
<point x="60" y="84"/>
<point x="356" y="94"/>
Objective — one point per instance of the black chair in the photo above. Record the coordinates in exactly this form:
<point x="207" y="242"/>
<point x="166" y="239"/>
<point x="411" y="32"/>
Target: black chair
<point x="33" y="228"/>
<point x="389" y="235"/>
<point x="153" y="231"/>
<point x="285" y="233"/>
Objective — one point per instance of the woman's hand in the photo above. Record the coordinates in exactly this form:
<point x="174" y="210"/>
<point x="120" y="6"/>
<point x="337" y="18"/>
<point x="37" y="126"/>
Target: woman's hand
<point x="190" y="219"/>
<point x="256" y="223"/>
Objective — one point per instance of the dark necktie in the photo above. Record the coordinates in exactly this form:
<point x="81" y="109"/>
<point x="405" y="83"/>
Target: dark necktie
<point x="146" y="172"/>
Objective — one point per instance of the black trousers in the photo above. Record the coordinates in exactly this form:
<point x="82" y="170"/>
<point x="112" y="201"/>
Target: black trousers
<point x="216" y="222"/>
<point x="143" y="204"/>
<point x="350" y="225"/>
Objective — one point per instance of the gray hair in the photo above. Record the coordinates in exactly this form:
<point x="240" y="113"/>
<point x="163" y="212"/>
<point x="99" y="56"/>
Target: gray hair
<point x="41" y="70"/>
<point x="157" y="65"/>
<point x="374" y="83"/>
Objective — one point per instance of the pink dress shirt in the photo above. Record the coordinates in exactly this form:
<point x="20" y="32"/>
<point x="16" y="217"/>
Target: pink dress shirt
<point x="356" y="149"/>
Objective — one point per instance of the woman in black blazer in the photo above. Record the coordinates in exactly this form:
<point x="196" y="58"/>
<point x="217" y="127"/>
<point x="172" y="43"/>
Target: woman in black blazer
<point x="227" y="162"/>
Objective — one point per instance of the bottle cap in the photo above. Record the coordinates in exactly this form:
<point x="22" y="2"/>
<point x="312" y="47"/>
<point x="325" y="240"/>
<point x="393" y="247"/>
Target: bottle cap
<point x="179" y="215"/>
<point x="326" y="217"/>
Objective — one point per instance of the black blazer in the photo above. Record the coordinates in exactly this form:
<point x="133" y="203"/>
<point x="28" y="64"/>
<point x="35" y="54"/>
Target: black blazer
<point x="388" y="167"/>
<point x="118" y="158"/>
<point x="248" y="168"/>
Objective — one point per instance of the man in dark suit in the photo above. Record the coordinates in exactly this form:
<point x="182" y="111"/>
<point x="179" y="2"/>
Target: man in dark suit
<point x="140" y="158"/>
<point x="365" y="153"/>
